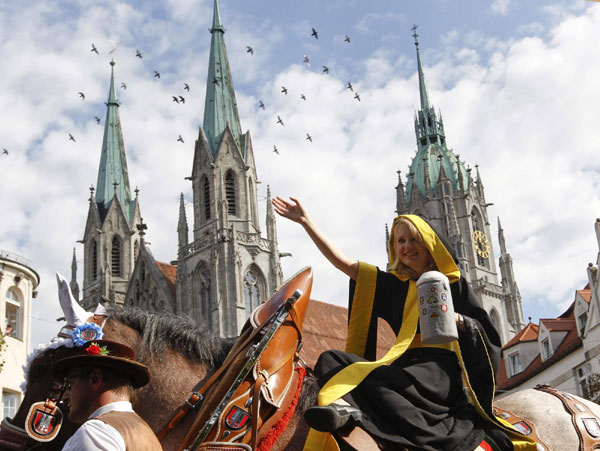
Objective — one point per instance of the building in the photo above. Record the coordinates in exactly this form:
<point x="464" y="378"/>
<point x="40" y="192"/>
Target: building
<point x="443" y="190"/>
<point x="228" y="268"/>
<point x="562" y="352"/>
<point x="18" y="284"/>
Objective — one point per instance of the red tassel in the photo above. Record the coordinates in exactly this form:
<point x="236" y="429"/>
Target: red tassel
<point x="269" y="440"/>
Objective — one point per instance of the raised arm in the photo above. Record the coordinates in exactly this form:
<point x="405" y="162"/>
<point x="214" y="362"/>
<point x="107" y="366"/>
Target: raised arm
<point x="294" y="211"/>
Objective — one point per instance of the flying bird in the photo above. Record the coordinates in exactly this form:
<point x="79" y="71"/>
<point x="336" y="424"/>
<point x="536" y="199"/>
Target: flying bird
<point x="315" y="34"/>
<point x="349" y="86"/>
<point x="302" y="96"/>
<point x="325" y="69"/>
<point x="186" y="87"/>
<point x="5" y="152"/>
<point x="275" y="150"/>
<point x="180" y="139"/>
<point x="94" y="49"/>
<point x="249" y="50"/>
<point x="279" y="121"/>
<point x="71" y="138"/>
<point x="156" y="74"/>
<point x="357" y="97"/>
<point x="261" y="104"/>
<point x="82" y="95"/>
<point x="175" y="99"/>
<point x="347" y="39"/>
<point x="306" y="60"/>
<point x="97" y="119"/>
<point x="308" y="137"/>
<point x="137" y="53"/>
<point x="182" y="99"/>
<point x="123" y="85"/>
<point x="284" y="90"/>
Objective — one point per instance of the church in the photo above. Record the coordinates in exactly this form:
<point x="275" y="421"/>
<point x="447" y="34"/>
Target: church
<point x="228" y="267"/>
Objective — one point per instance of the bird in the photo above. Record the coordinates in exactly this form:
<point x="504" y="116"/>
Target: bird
<point x="306" y="60"/>
<point x="137" y="53"/>
<point x="279" y="121"/>
<point x="156" y="74"/>
<point x="186" y="87"/>
<point x="357" y="97"/>
<point x="123" y="85"/>
<point x="82" y="95"/>
<point x="315" y="33"/>
<point x="175" y="99"/>
<point x="71" y="138"/>
<point x="97" y="119"/>
<point x="302" y="96"/>
<point x="94" y="49"/>
<point x="347" y="39"/>
<point x="275" y="150"/>
<point x="284" y="90"/>
<point x="249" y="50"/>
<point x="308" y="137"/>
<point x="349" y="86"/>
<point x="180" y="139"/>
<point x="261" y="104"/>
<point x="5" y="152"/>
<point x="325" y="69"/>
<point x="182" y="99"/>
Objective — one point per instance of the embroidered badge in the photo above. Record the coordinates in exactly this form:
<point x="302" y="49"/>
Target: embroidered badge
<point x="434" y="316"/>
<point x="432" y="300"/>
<point x="43" y="421"/>
<point x="432" y="289"/>
<point x="424" y="311"/>
<point x="592" y="426"/>
<point x="522" y="427"/>
<point x="237" y="418"/>
<point x="444" y="308"/>
<point x="421" y="300"/>
<point x="444" y="297"/>
<point x="87" y="332"/>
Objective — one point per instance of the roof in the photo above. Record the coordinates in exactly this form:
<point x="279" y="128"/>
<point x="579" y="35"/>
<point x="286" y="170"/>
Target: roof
<point x="169" y="273"/>
<point x="528" y="333"/>
<point x="585" y="294"/>
<point x="570" y="343"/>
<point x="325" y="328"/>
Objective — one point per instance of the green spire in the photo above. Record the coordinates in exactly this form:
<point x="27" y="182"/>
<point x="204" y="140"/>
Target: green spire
<point x="220" y="107"/>
<point x="113" y="178"/>
<point x="422" y="87"/>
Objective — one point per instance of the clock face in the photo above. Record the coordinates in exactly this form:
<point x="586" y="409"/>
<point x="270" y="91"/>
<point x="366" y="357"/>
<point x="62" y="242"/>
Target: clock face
<point x="482" y="245"/>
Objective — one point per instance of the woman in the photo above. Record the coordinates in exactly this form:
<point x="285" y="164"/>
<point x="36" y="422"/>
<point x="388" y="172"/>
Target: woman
<point x="414" y="397"/>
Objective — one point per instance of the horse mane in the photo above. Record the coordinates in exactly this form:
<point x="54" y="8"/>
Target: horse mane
<point x="163" y="330"/>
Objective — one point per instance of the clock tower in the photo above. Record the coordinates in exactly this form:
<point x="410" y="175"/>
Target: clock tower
<point x="440" y="188"/>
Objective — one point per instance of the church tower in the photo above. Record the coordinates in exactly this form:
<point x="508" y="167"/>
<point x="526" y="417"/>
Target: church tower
<point x="111" y="238"/>
<point x="440" y="188"/>
<point x="228" y="268"/>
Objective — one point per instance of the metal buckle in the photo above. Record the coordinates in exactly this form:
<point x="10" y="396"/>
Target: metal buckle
<point x="200" y="399"/>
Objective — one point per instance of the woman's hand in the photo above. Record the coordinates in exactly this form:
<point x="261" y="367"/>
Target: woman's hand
<point x="460" y="322"/>
<point x="294" y="211"/>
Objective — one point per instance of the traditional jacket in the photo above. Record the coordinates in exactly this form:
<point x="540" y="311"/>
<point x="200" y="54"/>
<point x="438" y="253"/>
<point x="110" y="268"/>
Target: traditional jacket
<point x="393" y="297"/>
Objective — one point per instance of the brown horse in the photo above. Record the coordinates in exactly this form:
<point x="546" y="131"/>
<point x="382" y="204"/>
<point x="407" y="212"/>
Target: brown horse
<point x="180" y="357"/>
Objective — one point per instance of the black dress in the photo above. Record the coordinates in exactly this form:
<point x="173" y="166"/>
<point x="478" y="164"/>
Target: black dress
<point x="418" y="401"/>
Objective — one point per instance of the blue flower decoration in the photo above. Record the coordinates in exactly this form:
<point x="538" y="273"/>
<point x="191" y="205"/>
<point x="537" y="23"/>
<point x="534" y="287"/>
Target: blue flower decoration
<point x="87" y="332"/>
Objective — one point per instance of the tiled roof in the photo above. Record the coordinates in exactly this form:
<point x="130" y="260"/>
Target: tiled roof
<point x="169" y="272"/>
<point x="585" y="294"/>
<point x="528" y="333"/>
<point x="570" y="343"/>
<point x="326" y="326"/>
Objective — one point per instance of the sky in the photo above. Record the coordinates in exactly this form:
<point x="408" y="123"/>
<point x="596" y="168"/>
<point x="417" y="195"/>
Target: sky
<point x="516" y="83"/>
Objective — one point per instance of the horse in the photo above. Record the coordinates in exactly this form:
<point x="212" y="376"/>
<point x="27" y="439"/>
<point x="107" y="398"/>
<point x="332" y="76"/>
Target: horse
<point x="180" y="356"/>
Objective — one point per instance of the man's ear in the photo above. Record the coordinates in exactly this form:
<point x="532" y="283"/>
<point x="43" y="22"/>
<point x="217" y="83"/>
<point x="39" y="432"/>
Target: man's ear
<point x="96" y="378"/>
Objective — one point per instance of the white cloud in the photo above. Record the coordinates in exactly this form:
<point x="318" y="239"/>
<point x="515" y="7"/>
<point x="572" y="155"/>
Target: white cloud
<point x="500" y="7"/>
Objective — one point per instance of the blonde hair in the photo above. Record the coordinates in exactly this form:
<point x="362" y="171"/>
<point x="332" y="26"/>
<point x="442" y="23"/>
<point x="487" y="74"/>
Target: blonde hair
<point x="396" y="265"/>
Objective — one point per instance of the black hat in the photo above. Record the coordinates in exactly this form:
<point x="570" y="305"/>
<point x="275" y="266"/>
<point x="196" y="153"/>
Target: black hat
<point x="105" y="354"/>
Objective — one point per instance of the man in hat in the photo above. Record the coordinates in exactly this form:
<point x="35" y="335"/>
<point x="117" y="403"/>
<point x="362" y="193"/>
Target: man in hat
<point x="102" y="378"/>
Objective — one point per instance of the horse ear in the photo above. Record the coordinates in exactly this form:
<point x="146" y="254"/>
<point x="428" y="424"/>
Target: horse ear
<point x="74" y="313"/>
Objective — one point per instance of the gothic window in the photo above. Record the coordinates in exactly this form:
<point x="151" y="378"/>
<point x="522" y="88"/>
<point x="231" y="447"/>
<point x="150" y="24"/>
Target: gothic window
<point x="94" y="260"/>
<point x="230" y="193"/>
<point x="203" y="292"/>
<point x="115" y="256"/>
<point x="13" y="314"/>
<point x="480" y="241"/>
<point x="205" y="187"/>
<point x="253" y="290"/>
<point x="136" y="250"/>
<point x="495" y="321"/>
<point x="254" y="215"/>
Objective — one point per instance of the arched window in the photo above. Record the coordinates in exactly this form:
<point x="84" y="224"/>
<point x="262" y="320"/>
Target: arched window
<point x="94" y="260"/>
<point x="495" y="320"/>
<point x="205" y="187"/>
<point x="203" y="293"/>
<point x="254" y="215"/>
<point x="253" y="290"/>
<point x="136" y="250"/>
<point x="115" y="256"/>
<point x="230" y="193"/>
<point x="12" y="314"/>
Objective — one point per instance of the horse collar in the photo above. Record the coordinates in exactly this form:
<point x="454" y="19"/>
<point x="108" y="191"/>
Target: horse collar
<point x="11" y="436"/>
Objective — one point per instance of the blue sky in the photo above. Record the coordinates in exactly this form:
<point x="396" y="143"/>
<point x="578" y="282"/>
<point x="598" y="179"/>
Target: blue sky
<point x="516" y="83"/>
